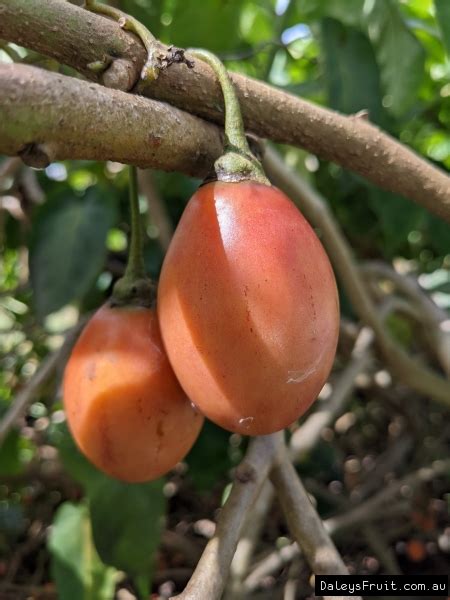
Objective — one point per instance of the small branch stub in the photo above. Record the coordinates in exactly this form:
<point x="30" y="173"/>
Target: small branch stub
<point x="158" y="56"/>
<point x="36" y="155"/>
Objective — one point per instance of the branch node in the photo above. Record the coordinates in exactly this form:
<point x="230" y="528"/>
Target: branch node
<point x="362" y="114"/>
<point x="36" y="155"/>
<point x="245" y="473"/>
<point x="161" y="58"/>
<point x="177" y="55"/>
<point x="120" y="75"/>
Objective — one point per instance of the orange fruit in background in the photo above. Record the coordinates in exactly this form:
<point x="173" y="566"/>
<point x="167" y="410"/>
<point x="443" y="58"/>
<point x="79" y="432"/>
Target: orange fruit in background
<point x="415" y="550"/>
<point x="124" y="406"/>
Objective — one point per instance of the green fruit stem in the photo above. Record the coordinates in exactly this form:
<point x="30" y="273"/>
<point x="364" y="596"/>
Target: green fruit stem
<point x="135" y="266"/>
<point x="237" y="163"/>
<point x="134" y="288"/>
<point x="151" y="69"/>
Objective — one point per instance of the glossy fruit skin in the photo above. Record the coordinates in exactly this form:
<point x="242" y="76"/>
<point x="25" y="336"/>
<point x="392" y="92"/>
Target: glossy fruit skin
<point x="248" y="307"/>
<point x="125" y="408"/>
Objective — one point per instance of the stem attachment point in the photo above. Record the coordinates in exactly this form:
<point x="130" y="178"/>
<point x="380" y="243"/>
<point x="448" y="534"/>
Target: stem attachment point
<point x="237" y="163"/>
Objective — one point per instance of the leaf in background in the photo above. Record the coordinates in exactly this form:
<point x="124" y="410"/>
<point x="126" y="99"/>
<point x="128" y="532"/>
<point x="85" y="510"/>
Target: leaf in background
<point x="13" y="521"/>
<point x="212" y="24"/>
<point x="397" y="218"/>
<point x="352" y="72"/>
<point x="347" y="11"/>
<point x="68" y="249"/>
<point x="443" y="18"/>
<point x="78" y="571"/>
<point x="401" y="329"/>
<point x="212" y="442"/>
<point x="75" y="463"/>
<point x="256" y="22"/>
<point x="400" y="56"/>
<point x="11" y="451"/>
<point x="438" y="232"/>
<point x="126" y="518"/>
<point x="126" y="523"/>
<point x="148" y="12"/>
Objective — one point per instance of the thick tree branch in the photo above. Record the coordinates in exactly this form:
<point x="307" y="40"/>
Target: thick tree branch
<point x="251" y="533"/>
<point x="407" y="368"/>
<point x="55" y="28"/>
<point x="210" y="575"/>
<point x="45" y="116"/>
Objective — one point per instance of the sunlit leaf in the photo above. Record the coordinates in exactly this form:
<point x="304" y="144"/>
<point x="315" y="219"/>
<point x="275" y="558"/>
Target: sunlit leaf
<point x="400" y="56"/>
<point x="443" y="17"/>
<point x="397" y="218"/>
<point x="211" y="24"/>
<point x="352" y="73"/>
<point x="78" y="571"/>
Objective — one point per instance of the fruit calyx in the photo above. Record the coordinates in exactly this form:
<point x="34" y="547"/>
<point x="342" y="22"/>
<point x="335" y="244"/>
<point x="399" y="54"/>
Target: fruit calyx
<point x="134" y="288"/>
<point x="237" y="162"/>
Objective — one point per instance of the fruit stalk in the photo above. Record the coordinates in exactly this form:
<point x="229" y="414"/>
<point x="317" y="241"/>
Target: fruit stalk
<point x="237" y="163"/>
<point x="134" y="288"/>
<point x="135" y="266"/>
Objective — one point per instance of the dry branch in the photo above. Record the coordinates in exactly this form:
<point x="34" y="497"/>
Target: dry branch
<point x="304" y="522"/>
<point x="251" y="533"/>
<point x="210" y="575"/>
<point x="45" y="116"/>
<point x="55" y="28"/>
<point x="369" y="511"/>
<point x="308" y="434"/>
<point x="434" y="320"/>
<point x="9" y="167"/>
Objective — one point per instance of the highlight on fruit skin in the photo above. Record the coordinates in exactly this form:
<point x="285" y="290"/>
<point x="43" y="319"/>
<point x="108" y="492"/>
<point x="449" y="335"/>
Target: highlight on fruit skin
<point x="124" y="406"/>
<point x="248" y="307"/>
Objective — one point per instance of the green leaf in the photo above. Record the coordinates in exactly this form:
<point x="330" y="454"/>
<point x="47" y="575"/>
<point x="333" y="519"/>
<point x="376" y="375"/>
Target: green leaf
<point x="443" y="18"/>
<point x="400" y="329"/>
<point x="212" y="24"/>
<point x="438" y="232"/>
<point x="68" y="248"/>
<point x="148" y="12"/>
<point x="400" y="56"/>
<point x="126" y="523"/>
<point x="126" y="518"/>
<point x="11" y="451"/>
<point x="75" y="463"/>
<point x="352" y="72"/>
<point x="78" y="571"/>
<point x="348" y="12"/>
<point x="212" y="442"/>
<point x="397" y="218"/>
